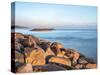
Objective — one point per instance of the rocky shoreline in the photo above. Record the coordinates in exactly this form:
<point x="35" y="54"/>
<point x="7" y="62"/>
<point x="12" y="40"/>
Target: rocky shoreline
<point x="32" y="54"/>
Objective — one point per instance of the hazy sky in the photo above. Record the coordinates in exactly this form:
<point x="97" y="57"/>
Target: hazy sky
<point x="54" y="15"/>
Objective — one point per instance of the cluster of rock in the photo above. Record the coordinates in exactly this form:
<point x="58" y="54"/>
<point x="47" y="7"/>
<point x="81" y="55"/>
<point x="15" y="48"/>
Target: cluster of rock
<point x="31" y="54"/>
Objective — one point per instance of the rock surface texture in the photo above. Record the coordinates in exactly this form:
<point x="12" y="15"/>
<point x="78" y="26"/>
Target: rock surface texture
<point x="31" y="54"/>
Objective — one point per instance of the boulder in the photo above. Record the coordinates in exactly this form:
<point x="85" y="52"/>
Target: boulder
<point x="80" y="66"/>
<point x="60" y="60"/>
<point x="32" y="38"/>
<point x="48" y="67"/>
<point x="25" y="69"/>
<point x="19" y="36"/>
<point x="28" y="42"/>
<point x="49" y="52"/>
<point x="73" y="55"/>
<point x="91" y="66"/>
<point x="18" y="46"/>
<point x="44" y="44"/>
<point x="82" y="60"/>
<point x="36" y="57"/>
<point x="56" y="48"/>
<point x="19" y="57"/>
<point x="62" y="53"/>
<point x="28" y="50"/>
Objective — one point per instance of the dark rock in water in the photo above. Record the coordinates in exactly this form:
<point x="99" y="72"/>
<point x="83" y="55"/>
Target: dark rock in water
<point x="25" y="69"/>
<point x="48" y="67"/>
<point x="82" y="60"/>
<point x="36" y="57"/>
<point x="60" y="60"/>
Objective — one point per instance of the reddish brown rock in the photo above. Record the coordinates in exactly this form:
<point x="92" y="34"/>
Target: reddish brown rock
<point x="19" y="36"/>
<point x="25" y="69"/>
<point x="48" y="67"/>
<point x="56" y="48"/>
<point x="72" y="54"/>
<point x="49" y="52"/>
<point x="28" y="42"/>
<point x="75" y="57"/>
<point x="36" y="57"/>
<point x="80" y="66"/>
<point x="32" y="38"/>
<point x="19" y="57"/>
<point x="91" y="66"/>
<point x="60" y="60"/>
<point x="18" y="46"/>
<point x="28" y="50"/>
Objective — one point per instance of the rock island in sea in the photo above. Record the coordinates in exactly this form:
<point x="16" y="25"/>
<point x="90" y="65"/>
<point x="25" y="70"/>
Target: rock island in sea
<point x="43" y="29"/>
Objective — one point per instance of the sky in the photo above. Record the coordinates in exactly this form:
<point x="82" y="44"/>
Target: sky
<point x="41" y="15"/>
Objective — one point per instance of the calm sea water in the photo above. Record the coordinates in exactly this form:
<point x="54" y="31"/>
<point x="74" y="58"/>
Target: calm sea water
<point x="84" y="41"/>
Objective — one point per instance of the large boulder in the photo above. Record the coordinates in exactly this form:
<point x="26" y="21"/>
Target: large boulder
<point x="36" y="57"/>
<point x="18" y="46"/>
<point x="19" y="36"/>
<point x="29" y="41"/>
<point x="28" y="50"/>
<point x="44" y="44"/>
<point x="91" y="66"/>
<point x="19" y="57"/>
<point x="25" y="69"/>
<point x="73" y="55"/>
<point x="49" y="52"/>
<point x="56" y="48"/>
<point x="48" y="67"/>
<point x="80" y="66"/>
<point x="60" y="60"/>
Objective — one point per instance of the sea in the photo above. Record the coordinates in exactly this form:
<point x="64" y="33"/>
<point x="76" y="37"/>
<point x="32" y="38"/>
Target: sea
<point x="82" y="40"/>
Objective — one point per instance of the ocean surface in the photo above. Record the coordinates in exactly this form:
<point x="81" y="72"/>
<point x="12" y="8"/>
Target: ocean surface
<point x="84" y="41"/>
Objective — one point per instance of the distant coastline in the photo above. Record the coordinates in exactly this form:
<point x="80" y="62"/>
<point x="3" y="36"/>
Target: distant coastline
<point x="14" y="26"/>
